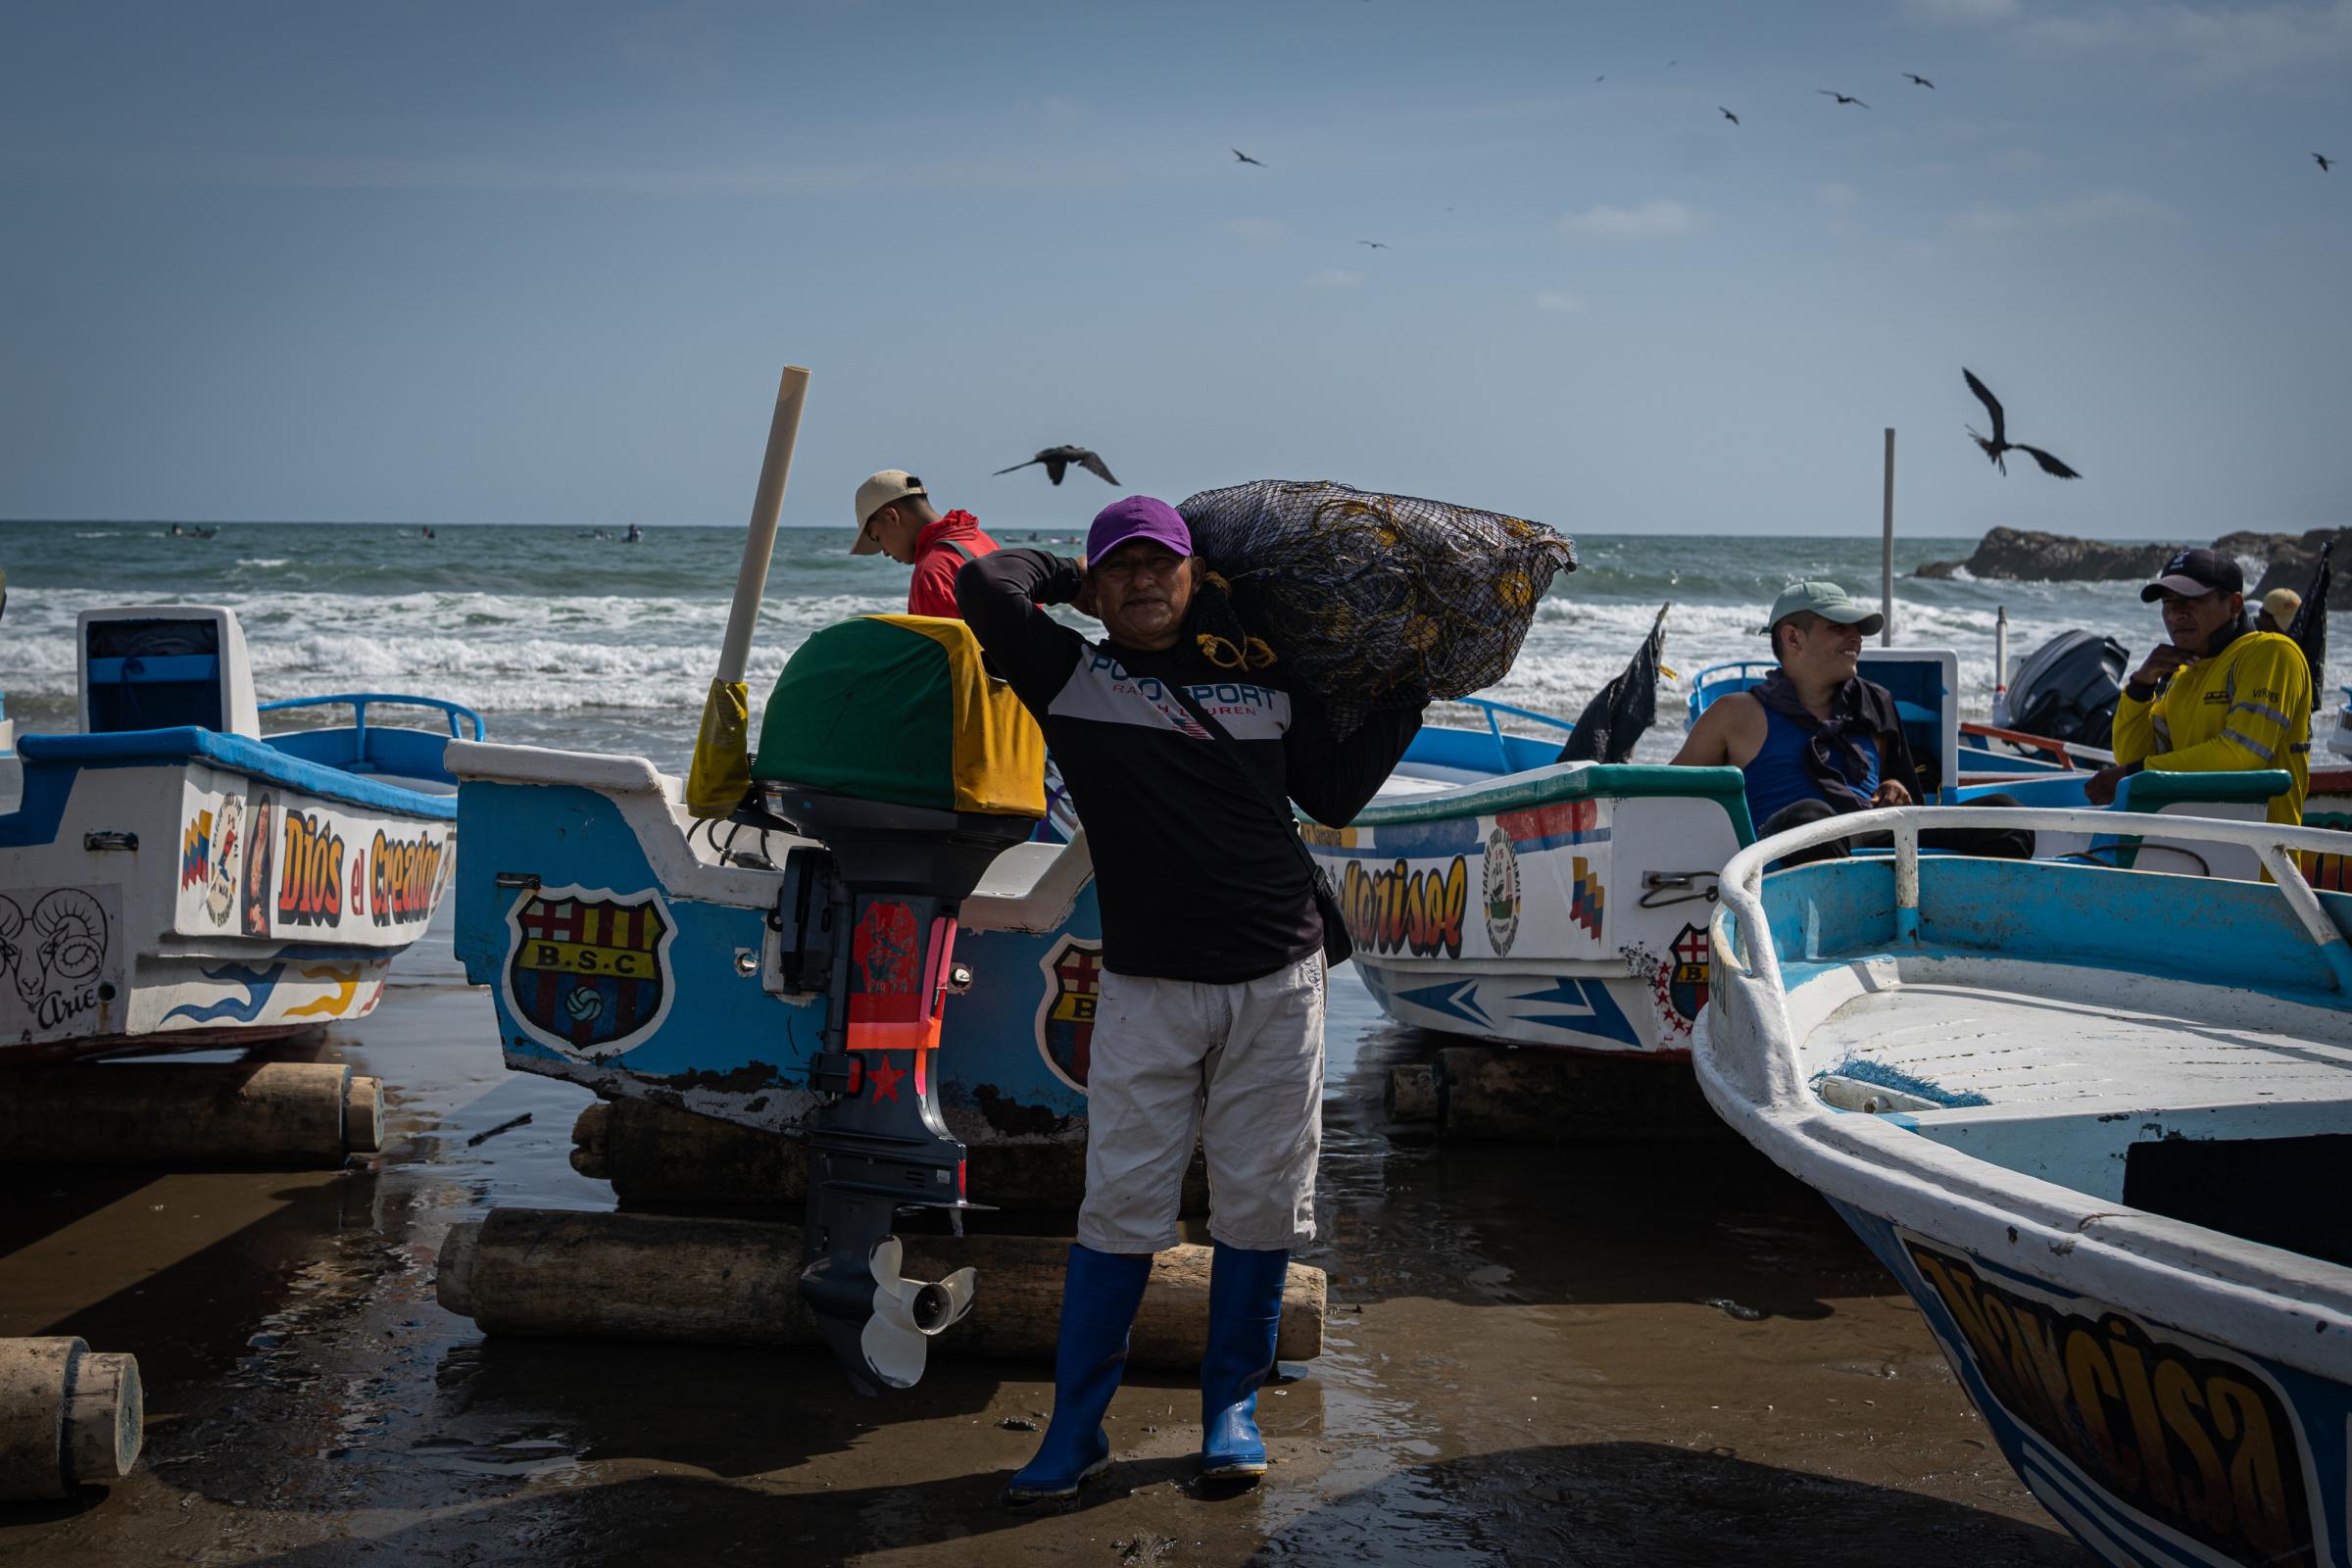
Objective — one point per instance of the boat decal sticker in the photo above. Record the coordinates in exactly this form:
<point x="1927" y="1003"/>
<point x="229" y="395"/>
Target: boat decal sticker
<point x="310" y="887"/>
<point x="588" y="970"/>
<point x="1686" y="972"/>
<point x="1572" y="1006"/>
<point x="1585" y="897"/>
<point x="220" y="881"/>
<point x="1065" y="1013"/>
<point x="196" y="851"/>
<point x="1397" y="910"/>
<point x="331" y="1003"/>
<point x="1550" y="827"/>
<point x="257" y="882"/>
<point x="252" y="988"/>
<point x="2179" y="1437"/>
<point x="404" y="877"/>
<point x="1498" y="892"/>
<point x="63" y="963"/>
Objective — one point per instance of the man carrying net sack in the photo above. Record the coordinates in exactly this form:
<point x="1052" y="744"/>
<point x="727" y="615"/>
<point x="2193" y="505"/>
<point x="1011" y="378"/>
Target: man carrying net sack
<point x="1183" y="734"/>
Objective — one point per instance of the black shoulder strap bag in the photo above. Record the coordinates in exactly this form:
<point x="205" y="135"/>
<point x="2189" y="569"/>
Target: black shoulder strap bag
<point x="1338" y="947"/>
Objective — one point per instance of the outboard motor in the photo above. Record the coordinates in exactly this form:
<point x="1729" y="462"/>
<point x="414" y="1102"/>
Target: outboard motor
<point x="2066" y="689"/>
<point x="886" y="741"/>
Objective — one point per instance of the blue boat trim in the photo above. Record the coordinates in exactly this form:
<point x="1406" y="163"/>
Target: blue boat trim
<point x="237" y="752"/>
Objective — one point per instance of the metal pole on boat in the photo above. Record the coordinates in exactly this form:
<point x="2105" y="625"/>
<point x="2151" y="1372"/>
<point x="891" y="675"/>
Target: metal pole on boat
<point x="1887" y="549"/>
<point x="767" y="506"/>
<point x="720" y="774"/>
<point x="2000" y="667"/>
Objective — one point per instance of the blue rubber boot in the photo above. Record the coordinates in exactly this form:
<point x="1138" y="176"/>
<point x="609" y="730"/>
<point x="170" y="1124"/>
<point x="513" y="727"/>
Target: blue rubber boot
<point x="1245" y="1316"/>
<point x="1099" y="1298"/>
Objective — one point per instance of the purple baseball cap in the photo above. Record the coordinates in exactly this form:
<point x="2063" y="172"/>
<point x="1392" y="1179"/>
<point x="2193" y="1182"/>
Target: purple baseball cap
<point x="1132" y="517"/>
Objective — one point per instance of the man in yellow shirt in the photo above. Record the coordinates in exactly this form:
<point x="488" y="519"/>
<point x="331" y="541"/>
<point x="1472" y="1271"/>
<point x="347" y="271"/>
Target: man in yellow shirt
<point x="2238" y="698"/>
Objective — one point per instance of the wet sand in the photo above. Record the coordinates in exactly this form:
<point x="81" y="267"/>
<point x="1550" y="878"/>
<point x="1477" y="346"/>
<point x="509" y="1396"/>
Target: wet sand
<point x="1633" y="1355"/>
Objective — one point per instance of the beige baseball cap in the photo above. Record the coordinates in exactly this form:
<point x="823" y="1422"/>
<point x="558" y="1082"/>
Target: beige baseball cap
<point x="891" y="484"/>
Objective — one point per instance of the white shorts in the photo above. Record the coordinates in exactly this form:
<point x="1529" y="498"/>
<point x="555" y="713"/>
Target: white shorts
<point x="1238" y="1068"/>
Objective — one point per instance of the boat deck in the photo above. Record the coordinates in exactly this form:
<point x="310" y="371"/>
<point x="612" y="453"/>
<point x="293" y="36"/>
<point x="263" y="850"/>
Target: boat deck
<point x="2063" y="1087"/>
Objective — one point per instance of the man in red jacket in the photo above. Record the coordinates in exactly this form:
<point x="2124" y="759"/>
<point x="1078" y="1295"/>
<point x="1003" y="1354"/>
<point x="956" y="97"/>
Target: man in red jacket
<point x="896" y="518"/>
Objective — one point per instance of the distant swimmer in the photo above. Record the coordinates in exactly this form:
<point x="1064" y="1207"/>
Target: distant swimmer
<point x="1058" y="458"/>
<point x="1921" y="81"/>
<point x="2325" y="162"/>
<point x="1998" y="442"/>
<point x="1246" y="157"/>
<point x="429" y="534"/>
<point x="634" y="535"/>
<point x="1841" y="97"/>
<point x="1728" y="115"/>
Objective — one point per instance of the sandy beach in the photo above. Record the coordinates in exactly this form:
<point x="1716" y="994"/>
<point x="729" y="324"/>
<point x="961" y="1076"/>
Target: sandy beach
<point x="1628" y="1353"/>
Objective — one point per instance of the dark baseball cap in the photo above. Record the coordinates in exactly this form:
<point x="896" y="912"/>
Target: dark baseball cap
<point x="1132" y="517"/>
<point x="2194" y="573"/>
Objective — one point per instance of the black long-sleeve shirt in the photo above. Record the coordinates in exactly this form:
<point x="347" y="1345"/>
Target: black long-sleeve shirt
<point x="1197" y="877"/>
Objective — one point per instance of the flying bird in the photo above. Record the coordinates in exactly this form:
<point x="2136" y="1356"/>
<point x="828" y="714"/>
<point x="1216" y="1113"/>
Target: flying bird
<point x="1375" y="244"/>
<point x="2325" y="162"/>
<point x="1246" y="157"/>
<point x="1999" y="441"/>
<point x="1728" y="115"/>
<point x="1922" y="80"/>
<point x="1058" y="458"/>
<point x="1841" y="97"/>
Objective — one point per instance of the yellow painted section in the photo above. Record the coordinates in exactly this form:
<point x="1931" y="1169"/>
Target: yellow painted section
<point x="999" y="756"/>
<point x="346" y="982"/>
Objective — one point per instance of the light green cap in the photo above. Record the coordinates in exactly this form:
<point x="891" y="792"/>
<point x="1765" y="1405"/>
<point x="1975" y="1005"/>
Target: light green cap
<point x="1828" y="601"/>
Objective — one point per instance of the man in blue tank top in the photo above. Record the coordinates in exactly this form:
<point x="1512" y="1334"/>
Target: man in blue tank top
<point x="1815" y="738"/>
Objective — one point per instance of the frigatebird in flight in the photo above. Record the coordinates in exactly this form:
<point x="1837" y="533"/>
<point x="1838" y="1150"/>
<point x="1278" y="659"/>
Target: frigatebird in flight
<point x="1058" y="458"/>
<point x="1728" y="115"/>
<point x="1999" y="441"/>
<point x="1246" y="157"/>
<point x="2325" y="162"/>
<point x="1920" y="80"/>
<point x="1841" y="97"/>
<point x="1375" y="244"/>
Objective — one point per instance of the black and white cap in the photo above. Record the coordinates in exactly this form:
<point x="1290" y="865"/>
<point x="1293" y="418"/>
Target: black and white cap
<point x="2194" y="573"/>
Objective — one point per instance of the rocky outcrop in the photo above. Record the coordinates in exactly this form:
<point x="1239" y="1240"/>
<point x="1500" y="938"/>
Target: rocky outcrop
<point x="2288" y="560"/>
<point x="2019" y="554"/>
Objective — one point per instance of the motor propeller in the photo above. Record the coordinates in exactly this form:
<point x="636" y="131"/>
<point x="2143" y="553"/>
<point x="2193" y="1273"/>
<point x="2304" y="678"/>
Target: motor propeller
<point x="908" y="1314"/>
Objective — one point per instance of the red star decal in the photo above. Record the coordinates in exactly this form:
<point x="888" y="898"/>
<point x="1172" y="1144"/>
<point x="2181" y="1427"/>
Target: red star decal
<point x="883" y="1077"/>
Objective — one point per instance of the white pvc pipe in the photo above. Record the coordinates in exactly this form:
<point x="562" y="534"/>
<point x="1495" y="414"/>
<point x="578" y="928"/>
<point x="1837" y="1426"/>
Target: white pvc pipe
<point x="767" y="506"/>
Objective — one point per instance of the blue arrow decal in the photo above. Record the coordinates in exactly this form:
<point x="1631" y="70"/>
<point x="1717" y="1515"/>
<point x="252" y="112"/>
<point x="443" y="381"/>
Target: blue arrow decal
<point x="1595" y="1010"/>
<point x="1457" y="999"/>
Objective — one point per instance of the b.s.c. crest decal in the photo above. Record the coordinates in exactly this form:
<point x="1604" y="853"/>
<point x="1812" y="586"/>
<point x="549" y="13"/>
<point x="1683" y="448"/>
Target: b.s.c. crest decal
<point x="1687" y="975"/>
<point x="1066" y="1018"/>
<point x="588" y="970"/>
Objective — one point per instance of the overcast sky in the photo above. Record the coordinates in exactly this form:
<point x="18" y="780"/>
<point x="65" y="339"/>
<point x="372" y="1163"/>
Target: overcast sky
<point x="542" y="262"/>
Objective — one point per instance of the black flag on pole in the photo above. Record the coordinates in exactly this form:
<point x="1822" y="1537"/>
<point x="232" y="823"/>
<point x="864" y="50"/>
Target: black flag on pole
<point x="2309" y="628"/>
<point x="1614" y="719"/>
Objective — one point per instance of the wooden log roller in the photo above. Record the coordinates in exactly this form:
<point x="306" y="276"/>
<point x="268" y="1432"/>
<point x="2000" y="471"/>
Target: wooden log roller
<point x="295" y="1114"/>
<point x="657" y="1154"/>
<point x="703" y="1281"/>
<point x="69" y="1417"/>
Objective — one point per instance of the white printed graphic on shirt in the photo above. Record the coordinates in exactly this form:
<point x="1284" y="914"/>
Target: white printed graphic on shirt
<point x="1102" y="689"/>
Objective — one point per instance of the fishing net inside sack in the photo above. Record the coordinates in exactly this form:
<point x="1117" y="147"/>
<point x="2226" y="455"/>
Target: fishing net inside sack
<point x="1375" y="601"/>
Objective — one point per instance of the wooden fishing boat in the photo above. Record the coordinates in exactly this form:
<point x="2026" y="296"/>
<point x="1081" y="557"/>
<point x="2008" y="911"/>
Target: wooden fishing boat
<point x="2097" y="1123"/>
<point x="1495" y="892"/>
<point x="171" y="877"/>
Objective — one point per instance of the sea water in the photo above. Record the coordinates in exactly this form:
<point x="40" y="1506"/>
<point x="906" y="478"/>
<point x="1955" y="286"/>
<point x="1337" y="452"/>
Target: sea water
<point x="560" y="637"/>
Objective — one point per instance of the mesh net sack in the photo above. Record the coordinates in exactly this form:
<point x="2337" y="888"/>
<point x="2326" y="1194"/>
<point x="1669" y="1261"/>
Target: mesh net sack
<point x="1374" y="601"/>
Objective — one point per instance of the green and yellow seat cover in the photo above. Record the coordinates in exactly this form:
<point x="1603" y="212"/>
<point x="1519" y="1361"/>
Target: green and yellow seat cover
<point x="898" y="708"/>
